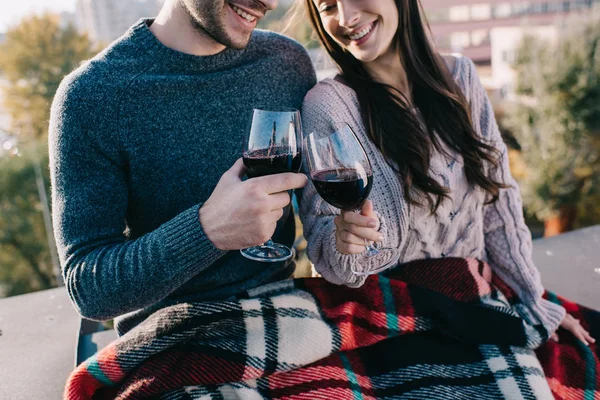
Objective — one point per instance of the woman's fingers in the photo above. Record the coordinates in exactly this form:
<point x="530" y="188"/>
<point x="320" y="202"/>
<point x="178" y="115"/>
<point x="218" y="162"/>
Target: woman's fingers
<point x="346" y="248"/>
<point x="367" y="209"/>
<point x="586" y="334"/>
<point x="589" y="337"/>
<point x="365" y="233"/>
<point x="573" y="325"/>
<point x="578" y="332"/>
<point x="360" y="220"/>
<point x="362" y="232"/>
<point x="350" y="238"/>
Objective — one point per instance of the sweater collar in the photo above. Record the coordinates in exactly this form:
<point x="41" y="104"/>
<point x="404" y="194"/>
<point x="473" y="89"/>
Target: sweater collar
<point x="141" y="35"/>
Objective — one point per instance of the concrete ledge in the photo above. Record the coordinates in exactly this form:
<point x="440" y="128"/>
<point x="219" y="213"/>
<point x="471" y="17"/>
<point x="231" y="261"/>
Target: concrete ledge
<point x="568" y="262"/>
<point x="39" y="337"/>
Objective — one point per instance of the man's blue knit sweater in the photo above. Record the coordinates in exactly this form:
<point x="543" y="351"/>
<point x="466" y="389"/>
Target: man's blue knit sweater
<point x="139" y="137"/>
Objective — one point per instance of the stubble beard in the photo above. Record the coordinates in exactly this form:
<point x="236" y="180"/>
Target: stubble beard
<point x="208" y="18"/>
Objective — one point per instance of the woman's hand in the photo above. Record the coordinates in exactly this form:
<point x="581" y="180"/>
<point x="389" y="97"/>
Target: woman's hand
<point x="572" y="325"/>
<point x="352" y="229"/>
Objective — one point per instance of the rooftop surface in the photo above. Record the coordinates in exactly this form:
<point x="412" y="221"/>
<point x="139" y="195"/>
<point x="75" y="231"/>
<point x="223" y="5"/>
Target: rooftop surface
<point x="40" y="331"/>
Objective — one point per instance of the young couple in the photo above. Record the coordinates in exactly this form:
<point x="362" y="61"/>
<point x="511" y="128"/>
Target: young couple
<point x="145" y="140"/>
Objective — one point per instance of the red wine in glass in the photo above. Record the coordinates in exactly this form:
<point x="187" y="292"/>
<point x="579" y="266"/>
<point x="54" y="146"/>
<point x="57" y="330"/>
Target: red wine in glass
<point x="263" y="162"/>
<point x="345" y="188"/>
<point x="273" y="146"/>
<point x="342" y="174"/>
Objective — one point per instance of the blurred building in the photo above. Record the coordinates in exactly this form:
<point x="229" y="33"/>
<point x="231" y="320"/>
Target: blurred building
<point x="66" y="19"/>
<point x="465" y="26"/>
<point x="504" y="44"/>
<point x="106" y="20"/>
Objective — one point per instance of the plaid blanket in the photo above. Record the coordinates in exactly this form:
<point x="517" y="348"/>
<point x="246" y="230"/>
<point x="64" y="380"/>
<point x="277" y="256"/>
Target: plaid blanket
<point x="430" y="329"/>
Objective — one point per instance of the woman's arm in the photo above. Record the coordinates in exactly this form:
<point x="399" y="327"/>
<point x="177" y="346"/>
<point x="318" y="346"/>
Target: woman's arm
<point x="324" y="111"/>
<point x="507" y="237"/>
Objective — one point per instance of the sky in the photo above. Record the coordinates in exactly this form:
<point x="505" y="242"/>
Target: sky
<point x="11" y="11"/>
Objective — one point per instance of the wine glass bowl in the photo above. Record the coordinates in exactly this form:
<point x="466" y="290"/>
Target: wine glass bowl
<point x="342" y="175"/>
<point x="273" y="145"/>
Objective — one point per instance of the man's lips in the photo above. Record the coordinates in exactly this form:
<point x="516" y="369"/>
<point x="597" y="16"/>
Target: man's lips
<point x="254" y="13"/>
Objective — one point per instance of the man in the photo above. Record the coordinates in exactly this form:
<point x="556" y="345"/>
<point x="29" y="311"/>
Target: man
<point x="146" y="202"/>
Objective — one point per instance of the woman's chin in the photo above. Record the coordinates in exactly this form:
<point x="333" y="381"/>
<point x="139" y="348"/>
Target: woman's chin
<point x="365" y="57"/>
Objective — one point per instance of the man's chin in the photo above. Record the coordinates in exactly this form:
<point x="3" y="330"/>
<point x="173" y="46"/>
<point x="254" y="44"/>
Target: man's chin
<point x="238" y="43"/>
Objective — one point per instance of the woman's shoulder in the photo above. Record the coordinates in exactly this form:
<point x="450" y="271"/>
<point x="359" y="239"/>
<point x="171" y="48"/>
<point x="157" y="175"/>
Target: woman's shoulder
<point x="330" y="88"/>
<point x="330" y="94"/>
<point x="463" y="71"/>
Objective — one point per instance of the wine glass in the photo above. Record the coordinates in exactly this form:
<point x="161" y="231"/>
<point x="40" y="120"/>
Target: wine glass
<point x="342" y="174"/>
<point x="273" y="146"/>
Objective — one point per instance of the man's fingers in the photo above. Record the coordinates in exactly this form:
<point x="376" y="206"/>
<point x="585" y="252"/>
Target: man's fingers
<point x="238" y="169"/>
<point x="281" y="182"/>
<point x="278" y="201"/>
<point x="554" y="337"/>
<point x="277" y="214"/>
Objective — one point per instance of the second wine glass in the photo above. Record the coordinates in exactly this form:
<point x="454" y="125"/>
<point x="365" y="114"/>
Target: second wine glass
<point x="342" y="175"/>
<point x="273" y="145"/>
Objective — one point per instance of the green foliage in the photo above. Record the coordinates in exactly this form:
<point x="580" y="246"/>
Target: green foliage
<point x="25" y="263"/>
<point x="557" y="121"/>
<point x="34" y="58"/>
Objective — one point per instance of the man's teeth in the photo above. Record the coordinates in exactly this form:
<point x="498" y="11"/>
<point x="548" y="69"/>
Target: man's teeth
<point x="243" y="14"/>
<point x="362" y="33"/>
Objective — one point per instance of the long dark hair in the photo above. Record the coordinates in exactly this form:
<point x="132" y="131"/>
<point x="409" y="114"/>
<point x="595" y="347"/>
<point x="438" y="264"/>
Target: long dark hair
<point x="395" y="129"/>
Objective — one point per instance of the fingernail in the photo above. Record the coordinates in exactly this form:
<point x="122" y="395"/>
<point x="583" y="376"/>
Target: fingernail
<point x="372" y="224"/>
<point x="380" y="238"/>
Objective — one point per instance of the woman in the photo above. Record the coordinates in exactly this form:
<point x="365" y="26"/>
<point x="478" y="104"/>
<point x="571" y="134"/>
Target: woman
<point x="442" y="185"/>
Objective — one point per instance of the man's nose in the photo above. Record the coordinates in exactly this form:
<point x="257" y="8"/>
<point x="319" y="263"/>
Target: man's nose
<point x="270" y="4"/>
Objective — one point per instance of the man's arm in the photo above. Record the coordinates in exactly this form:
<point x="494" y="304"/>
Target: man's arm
<point x="107" y="275"/>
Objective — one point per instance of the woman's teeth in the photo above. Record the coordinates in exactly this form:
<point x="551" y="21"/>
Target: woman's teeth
<point x="243" y="14"/>
<point x="362" y="33"/>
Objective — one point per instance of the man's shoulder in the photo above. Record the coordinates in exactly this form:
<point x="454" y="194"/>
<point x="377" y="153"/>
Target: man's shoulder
<point x="278" y="44"/>
<point x="266" y="37"/>
<point x="96" y="78"/>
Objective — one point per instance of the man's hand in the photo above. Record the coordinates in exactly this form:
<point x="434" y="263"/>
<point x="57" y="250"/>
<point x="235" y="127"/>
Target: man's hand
<point x="572" y="325"/>
<point x="352" y="229"/>
<point x="241" y="214"/>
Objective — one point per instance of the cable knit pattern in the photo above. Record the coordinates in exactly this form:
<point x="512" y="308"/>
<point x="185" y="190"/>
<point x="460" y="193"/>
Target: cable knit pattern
<point x="462" y="226"/>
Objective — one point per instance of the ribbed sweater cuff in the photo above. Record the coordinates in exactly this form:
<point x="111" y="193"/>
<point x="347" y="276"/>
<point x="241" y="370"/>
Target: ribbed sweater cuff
<point x="550" y="314"/>
<point x="186" y="243"/>
<point x="340" y="264"/>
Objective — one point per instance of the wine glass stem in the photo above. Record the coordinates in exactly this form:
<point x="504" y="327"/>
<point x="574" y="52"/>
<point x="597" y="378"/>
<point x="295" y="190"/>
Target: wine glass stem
<point x="268" y="243"/>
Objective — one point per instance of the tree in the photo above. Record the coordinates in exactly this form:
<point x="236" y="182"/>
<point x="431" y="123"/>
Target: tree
<point x="557" y="122"/>
<point x="24" y="256"/>
<point x="34" y="58"/>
